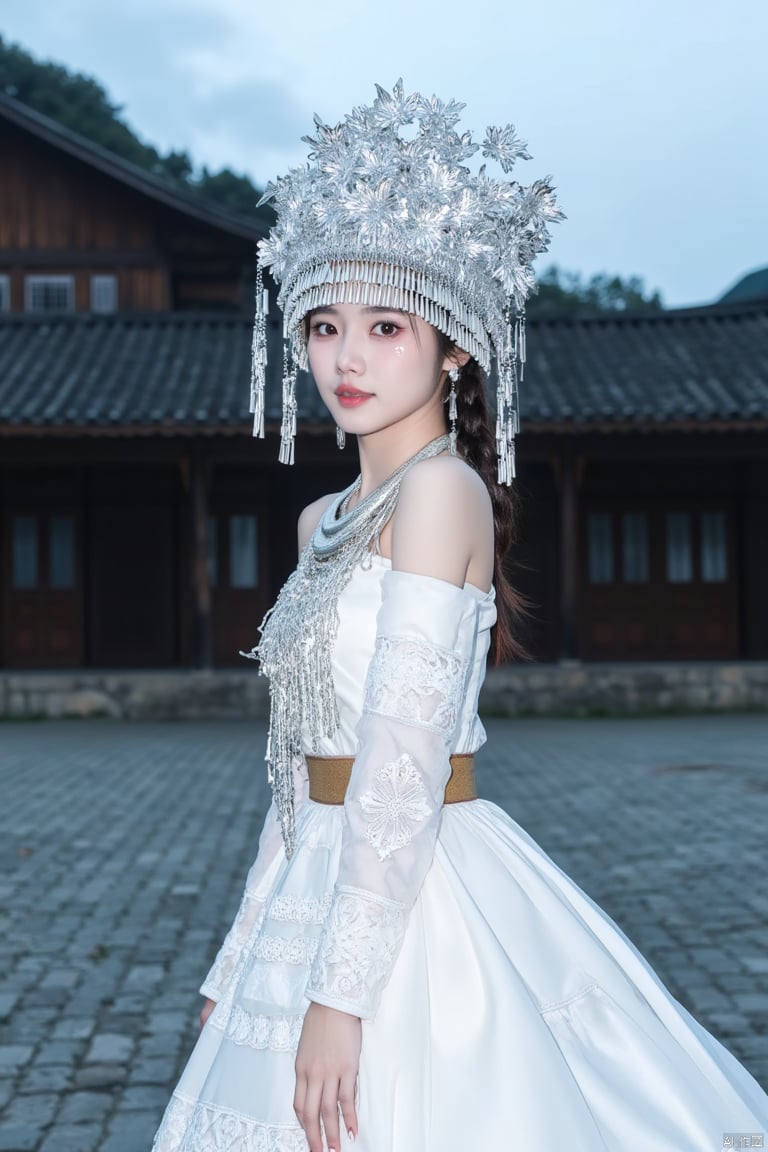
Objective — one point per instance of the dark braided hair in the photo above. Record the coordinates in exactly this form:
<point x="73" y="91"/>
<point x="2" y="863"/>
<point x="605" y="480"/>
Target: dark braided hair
<point x="476" y="442"/>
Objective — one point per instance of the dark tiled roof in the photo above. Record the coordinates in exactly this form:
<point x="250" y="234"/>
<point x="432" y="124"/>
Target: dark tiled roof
<point x="182" y="371"/>
<point x="646" y="368"/>
<point x="65" y="140"/>
<point x="163" y="371"/>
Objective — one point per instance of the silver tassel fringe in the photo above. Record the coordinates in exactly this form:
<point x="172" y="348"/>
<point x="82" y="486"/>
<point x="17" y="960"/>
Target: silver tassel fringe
<point x="259" y="355"/>
<point x="298" y="634"/>
<point x="510" y="365"/>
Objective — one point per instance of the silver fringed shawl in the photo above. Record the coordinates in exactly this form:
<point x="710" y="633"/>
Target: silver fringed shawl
<point x="299" y="632"/>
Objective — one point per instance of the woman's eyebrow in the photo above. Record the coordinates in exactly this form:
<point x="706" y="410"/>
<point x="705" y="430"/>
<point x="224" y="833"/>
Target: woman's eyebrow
<point x="331" y="310"/>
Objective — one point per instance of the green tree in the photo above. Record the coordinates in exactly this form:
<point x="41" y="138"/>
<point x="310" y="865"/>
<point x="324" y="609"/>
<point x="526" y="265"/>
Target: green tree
<point x="82" y="104"/>
<point x="562" y="291"/>
<point x="176" y="166"/>
<point x="236" y="192"/>
<point x="77" y="102"/>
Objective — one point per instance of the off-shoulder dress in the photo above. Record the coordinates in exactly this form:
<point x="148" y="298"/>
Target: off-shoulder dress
<point x="502" y="1008"/>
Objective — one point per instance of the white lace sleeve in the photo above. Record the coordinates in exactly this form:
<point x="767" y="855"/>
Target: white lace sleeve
<point x="426" y="632"/>
<point x="256" y="892"/>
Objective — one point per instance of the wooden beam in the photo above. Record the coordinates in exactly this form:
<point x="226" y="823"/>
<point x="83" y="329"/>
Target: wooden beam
<point x="83" y="258"/>
<point x="202" y="598"/>
<point x="568" y="476"/>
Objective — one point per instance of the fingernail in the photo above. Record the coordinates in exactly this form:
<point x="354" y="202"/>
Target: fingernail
<point x="351" y="1135"/>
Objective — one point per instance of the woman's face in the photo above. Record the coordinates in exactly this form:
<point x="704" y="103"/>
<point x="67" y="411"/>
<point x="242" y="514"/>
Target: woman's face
<point x="374" y="367"/>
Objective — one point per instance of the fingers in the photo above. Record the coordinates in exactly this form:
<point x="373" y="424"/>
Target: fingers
<point x="206" y="1010"/>
<point x="347" y="1104"/>
<point x="308" y="1112"/>
<point x="329" y="1110"/>
<point x="299" y="1097"/>
<point x="321" y="1101"/>
<point x="326" y="1066"/>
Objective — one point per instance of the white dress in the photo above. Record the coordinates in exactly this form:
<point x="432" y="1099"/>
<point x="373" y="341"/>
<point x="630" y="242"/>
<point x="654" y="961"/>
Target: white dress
<point x="502" y="1009"/>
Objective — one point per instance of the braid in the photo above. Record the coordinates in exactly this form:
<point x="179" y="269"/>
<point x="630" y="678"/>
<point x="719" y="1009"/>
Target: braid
<point x="477" y="444"/>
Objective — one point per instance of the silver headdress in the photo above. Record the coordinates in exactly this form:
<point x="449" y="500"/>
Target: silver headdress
<point x="397" y="220"/>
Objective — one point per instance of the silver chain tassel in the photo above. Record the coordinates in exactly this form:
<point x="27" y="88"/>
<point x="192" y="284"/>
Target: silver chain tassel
<point x="298" y="634"/>
<point x="453" y="412"/>
<point x="259" y="355"/>
<point x="288" y="426"/>
<point x="511" y="362"/>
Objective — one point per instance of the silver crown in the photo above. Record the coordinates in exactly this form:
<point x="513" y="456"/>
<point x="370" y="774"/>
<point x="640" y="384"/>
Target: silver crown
<point x="393" y="219"/>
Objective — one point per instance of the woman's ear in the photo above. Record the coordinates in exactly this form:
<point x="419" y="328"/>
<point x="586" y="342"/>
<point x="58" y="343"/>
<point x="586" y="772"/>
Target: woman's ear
<point x="457" y="357"/>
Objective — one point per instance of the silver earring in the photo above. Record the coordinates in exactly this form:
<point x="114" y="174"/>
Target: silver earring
<point x="341" y="438"/>
<point x="453" y="376"/>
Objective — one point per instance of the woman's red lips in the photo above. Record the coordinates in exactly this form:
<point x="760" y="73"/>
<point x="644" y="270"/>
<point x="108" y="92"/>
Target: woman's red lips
<point x="350" y="397"/>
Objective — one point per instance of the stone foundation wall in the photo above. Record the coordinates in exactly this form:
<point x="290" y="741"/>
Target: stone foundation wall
<point x="537" y="689"/>
<point x="170" y="695"/>
<point x="575" y="689"/>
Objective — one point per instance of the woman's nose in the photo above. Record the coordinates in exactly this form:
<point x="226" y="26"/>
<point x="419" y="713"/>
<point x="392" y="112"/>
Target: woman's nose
<point x="349" y="356"/>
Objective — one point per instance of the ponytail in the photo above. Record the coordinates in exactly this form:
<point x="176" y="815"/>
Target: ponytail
<point x="476" y="442"/>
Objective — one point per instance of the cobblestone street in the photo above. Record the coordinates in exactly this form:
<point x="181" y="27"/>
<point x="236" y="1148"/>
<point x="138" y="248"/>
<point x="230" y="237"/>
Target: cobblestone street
<point x="124" y="849"/>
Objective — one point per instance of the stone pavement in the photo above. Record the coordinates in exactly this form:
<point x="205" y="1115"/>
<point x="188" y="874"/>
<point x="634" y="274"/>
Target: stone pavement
<point x="124" y="848"/>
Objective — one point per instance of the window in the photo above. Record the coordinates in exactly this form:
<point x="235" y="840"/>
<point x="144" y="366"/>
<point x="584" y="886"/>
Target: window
<point x="634" y="537"/>
<point x="213" y="551"/>
<point x="714" y="560"/>
<point x="24" y="557"/>
<point x="679" y="549"/>
<point x="5" y="293"/>
<point x="62" y="552"/>
<point x="103" y="293"/>
<point x="243" y="552"/>
<point x="600" y="547"/>
<point x="49" y="293"/>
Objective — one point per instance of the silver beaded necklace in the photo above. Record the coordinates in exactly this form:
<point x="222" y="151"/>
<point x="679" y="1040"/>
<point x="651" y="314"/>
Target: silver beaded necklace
<point x="299" y="632"/>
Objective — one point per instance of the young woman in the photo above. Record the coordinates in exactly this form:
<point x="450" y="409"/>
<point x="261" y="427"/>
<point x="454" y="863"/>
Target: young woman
<point x="408" y="969"/>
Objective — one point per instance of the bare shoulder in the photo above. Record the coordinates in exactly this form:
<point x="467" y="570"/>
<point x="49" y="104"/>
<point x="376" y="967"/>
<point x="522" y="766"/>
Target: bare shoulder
<point x="443" y="524"/>
<point x="310" y="518"/>
<point x="447" y="487"/>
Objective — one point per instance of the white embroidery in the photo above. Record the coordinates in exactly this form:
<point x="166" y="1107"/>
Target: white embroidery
<point x="360" y="942"/>
<point x="278" y="1033"/>
<point x="246" y="922"/>
<point x="196" y="1127"/>
<point x="395" y="804"/>
<point x="415" y="682"/>
<point x="299" y="909"/>
<point x="287" y="950"/>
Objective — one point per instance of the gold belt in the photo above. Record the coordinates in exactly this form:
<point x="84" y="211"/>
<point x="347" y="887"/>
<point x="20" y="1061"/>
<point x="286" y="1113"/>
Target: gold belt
<point x="329" y="777"/>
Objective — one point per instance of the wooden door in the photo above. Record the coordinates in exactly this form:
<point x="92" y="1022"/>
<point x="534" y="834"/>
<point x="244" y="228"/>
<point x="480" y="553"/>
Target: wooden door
<point x="238" y="579"/>
<point x="659" y="581"/>
<point x="132" y="602"/>
<point x="43" y="626"/>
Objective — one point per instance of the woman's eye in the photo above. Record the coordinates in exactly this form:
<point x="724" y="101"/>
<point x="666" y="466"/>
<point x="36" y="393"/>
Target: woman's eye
<point x="386" y="328"/>
<point x="322" y="328"/>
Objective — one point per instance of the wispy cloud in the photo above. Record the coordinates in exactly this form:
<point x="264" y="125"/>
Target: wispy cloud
<point x="653" y="126"/>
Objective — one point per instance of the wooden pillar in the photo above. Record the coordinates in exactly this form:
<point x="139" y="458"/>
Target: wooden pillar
<point x="568" y="474"/>
<point x="202" y="585"/>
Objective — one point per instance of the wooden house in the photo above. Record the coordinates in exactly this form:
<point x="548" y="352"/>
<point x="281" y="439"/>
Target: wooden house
<point x="142" y="526"/>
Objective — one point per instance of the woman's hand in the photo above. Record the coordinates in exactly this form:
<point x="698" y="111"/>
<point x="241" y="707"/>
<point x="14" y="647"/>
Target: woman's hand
<point x="326" y="1075"/>
<point x="205" y="1012"/>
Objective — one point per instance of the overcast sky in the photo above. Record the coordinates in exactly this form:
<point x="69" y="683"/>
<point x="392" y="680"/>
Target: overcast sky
<point x="650" y="116"/>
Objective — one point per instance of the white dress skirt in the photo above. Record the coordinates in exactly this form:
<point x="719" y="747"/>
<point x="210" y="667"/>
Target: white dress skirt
<point x="502" y="1008"/>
